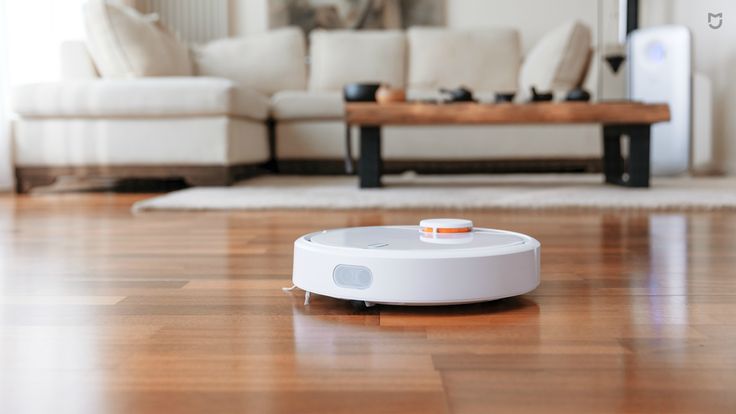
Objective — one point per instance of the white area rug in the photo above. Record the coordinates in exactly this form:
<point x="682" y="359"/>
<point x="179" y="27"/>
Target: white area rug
<point x="529" y="191"/>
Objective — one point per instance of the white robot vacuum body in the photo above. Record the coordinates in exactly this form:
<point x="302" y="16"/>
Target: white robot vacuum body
<point x="441" y="261"/>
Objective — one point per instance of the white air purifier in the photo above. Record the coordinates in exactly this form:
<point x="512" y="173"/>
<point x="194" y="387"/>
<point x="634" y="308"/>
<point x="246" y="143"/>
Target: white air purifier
<point x="660" y="70"/>
<point x="438" y="262"/>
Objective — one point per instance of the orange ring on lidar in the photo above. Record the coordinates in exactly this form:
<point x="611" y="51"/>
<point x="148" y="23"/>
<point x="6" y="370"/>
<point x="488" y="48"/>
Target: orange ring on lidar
<point x="447" y="230"/>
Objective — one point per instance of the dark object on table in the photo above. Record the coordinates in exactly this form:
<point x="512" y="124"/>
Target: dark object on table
<point x="360" y="92"/>
<point x="541" y="96"/>
<point x="578" y="95"/>
<point x="461" y="94"/>
<point x="502" y="97"/>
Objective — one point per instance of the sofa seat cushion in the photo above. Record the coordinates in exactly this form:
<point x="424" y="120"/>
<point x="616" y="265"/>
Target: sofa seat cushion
<point x="340" y="57"/>
<point x="145" y="97"/>
<point x="268" y="62"/>
<point x="307" y="105"/>
<point x="484" y="60"/>
<point x="124" y="43"/>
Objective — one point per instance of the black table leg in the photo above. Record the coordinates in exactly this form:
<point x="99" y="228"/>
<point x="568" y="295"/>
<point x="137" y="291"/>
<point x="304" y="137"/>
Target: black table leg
<point x="639" y="157"/>
<point x="613" y="162"/>
<point x="370" y="166"/>
<point x="348" y="150"/>
<point x="636" y="173"/>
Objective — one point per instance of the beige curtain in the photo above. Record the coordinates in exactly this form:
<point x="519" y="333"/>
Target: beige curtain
<point x="6" y="180"/>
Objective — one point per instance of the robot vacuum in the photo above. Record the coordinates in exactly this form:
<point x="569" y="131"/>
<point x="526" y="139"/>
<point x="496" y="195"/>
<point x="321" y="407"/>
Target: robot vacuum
<point x="438" y="262"/>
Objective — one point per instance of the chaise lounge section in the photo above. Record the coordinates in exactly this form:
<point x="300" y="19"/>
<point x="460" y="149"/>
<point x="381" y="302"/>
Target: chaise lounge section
<point x="205" y="130"/>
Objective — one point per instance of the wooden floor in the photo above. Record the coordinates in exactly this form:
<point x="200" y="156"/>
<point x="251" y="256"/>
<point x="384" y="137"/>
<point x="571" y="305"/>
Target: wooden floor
<point x="105" y="312"/>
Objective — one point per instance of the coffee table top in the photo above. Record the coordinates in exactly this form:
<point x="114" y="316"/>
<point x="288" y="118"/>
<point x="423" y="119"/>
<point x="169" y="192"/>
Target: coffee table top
<point x="414" y="113"/>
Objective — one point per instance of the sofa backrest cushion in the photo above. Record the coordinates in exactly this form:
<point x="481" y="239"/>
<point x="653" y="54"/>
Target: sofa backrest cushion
<point x="341" y="57"/>
<point x="268" y="62"/>
<point x="125" y="43"/>
<point x="559" y="61"/>
<point x="484" y="60"/>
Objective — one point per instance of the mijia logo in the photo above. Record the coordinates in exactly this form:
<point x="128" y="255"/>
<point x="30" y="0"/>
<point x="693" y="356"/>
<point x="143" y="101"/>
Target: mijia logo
<point x="715" y="20"/>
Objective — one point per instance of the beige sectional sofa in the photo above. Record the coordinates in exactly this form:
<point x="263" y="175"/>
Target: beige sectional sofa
<point x="265" y="98"/>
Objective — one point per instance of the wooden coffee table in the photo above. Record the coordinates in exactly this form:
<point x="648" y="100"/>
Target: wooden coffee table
<point x="618" y="119"/>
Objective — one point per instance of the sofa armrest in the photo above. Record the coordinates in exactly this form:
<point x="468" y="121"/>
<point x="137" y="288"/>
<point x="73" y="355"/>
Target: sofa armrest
<point x="76" y="62"/>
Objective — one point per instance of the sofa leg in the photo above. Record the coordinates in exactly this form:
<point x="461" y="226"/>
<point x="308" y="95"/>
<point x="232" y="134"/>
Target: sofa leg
<point x="210" y="177"/>
<point x="25" y="182"/>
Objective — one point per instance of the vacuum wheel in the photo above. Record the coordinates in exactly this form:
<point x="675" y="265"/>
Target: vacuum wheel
<point x="361" y="304"/>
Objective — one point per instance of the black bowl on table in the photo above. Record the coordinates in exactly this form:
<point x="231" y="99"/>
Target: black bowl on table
<point x="505" y="97"/>
<point x="545" y="96"/>
<point x="578" y="95"/>
<point x="360" y="92"/>
<point x="461" y="94"/>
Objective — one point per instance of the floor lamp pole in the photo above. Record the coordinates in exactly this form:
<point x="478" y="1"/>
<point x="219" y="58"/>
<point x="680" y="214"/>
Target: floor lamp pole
<point x="632" y="15"/>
